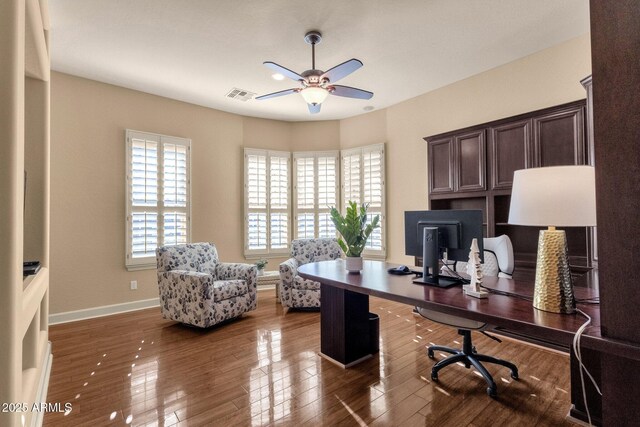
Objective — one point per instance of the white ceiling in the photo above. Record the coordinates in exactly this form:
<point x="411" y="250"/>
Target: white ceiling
<point x="198" y="50"/>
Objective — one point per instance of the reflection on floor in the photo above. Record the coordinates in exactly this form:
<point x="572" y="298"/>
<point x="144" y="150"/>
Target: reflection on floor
<point x="263" y="369"/>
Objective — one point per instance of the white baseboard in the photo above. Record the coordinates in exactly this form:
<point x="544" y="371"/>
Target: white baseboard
<point x="105" y="310"/>
<point x="43" y="385"/>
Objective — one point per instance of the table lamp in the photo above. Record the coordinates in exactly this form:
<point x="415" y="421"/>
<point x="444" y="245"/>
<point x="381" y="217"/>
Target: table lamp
<point x="558" y="196"/>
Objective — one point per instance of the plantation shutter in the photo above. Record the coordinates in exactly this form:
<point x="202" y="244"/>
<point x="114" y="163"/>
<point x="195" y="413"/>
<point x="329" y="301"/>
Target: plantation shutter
<point x="316" y="190"/>
<point x="363" y="182"/>
<point x="372" y="183"/>
<point x="267" y="196"/>
<point x="279" y="201"/>
<point x="327" y="194"/>
<point x="351" y="178"/>
<point x="157" y="195"/>
<point x="175" y="188"/>
<point x="256" y="202"/>
<point x="305" y="196"/>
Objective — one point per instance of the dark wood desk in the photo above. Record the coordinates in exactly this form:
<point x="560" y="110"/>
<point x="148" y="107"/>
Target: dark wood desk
<point x="344" y="312"/>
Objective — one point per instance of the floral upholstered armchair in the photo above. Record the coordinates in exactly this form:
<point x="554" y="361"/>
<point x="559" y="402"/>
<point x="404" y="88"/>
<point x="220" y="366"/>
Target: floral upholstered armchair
<point x="295" y="291"/>
<point x="197" y="289"/>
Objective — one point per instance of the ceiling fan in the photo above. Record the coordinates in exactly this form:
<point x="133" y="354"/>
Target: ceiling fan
<point x="317" y="84"/>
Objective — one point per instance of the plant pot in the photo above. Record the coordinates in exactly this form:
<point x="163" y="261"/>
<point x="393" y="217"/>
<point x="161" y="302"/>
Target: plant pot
<point x="353" y="264"/>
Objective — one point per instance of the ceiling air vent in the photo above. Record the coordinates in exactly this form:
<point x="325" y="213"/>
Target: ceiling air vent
<point x="240" y="94"/>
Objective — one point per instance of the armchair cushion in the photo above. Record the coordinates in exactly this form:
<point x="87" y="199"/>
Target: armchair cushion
<point x="225" y="289"/>
<point x="306" y="284"/>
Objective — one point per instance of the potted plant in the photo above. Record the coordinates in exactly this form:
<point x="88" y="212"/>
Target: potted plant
<point x="355" y="231"/>
<point x="261" y="264"/>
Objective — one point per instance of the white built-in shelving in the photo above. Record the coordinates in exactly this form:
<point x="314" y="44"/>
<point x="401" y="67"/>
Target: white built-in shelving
<point x="25" y="352"/>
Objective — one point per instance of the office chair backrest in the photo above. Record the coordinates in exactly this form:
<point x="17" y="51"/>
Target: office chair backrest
<point x="503" y="249"/>
<point x="498" y="258"/>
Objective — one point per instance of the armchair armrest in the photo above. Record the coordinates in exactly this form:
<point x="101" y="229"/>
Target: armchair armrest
<point x="288" y="270"/>
<point x="232" y="270"/>
<point x="202" y="283"/>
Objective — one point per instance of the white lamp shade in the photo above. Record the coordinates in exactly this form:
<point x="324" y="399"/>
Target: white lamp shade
<point x="314" y="95"/>
<point x="560" y="196"/>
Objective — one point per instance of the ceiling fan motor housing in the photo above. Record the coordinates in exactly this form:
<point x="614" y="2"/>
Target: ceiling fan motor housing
<point x="312" y="77"/>
<point x="313" y="37"/>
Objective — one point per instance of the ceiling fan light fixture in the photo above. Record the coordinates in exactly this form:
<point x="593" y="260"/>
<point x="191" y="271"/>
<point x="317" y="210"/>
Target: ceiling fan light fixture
<point x="314" y="94"/>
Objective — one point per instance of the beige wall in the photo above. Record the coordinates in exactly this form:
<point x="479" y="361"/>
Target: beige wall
<point x="88" y="161"/>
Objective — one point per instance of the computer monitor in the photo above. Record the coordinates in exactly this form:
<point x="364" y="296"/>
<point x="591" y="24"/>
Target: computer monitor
<point x="441" y="234"/>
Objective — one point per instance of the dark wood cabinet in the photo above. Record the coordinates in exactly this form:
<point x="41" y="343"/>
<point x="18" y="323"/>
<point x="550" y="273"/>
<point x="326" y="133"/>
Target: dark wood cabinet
<point x="458" y="163"/>
<point x="470" y="161"/>
<point x="442" y="158"/>
<point x="511" y="150"/>
<point x="559" y="137"/>
<point x="461" y="161"/>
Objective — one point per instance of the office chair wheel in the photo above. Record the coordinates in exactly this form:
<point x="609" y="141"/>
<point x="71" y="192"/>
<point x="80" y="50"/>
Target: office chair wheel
<point x="492" y="392"/>
<point x="434" y="376"/>
<point x="430" y="353"/>
<point x="514" y="375"/>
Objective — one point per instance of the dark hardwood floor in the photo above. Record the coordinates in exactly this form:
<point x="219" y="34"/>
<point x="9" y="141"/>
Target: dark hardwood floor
<point x="264" y="369"/>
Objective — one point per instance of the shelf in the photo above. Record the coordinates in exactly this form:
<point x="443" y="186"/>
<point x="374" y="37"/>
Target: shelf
<point x="35" y="288"/>
<point x="480" y="194"/>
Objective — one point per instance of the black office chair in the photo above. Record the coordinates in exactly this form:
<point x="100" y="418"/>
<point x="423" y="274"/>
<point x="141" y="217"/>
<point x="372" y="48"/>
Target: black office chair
<point x="498" y="261"/>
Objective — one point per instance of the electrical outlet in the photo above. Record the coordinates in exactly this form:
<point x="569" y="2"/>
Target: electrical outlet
<point x="134" y="285"/>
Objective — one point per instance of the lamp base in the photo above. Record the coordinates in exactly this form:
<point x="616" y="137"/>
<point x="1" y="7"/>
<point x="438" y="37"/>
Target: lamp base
<point x="553" y="287"/>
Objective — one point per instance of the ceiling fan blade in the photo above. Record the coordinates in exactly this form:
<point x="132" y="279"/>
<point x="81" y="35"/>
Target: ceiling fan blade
<point x="350" y="92"/>
<point x="314" y="109"/>
<point x="284" y="71"/>
<point x="340" y="71"/>
<point x="276" y="94"/>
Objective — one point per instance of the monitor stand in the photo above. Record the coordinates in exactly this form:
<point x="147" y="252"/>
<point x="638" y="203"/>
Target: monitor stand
<point x="431" y="262"/>
<point x="438" y="281"/>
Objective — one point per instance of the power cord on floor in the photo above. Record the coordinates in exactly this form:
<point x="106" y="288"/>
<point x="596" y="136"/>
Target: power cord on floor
<point x="578" y="353"/>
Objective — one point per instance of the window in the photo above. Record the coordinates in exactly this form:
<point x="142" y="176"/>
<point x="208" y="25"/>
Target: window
<point x="363" y="182"/>
<point x="267" y="196"/>
<point x="158" y="195"/>
<point x="315" y="193"/>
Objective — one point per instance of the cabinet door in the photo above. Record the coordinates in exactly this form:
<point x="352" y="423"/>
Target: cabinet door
<point x="470" y="160"/>
<point x="441" y="166"/>
<point x="510" y="150"/>
<point x="559" y="138"/>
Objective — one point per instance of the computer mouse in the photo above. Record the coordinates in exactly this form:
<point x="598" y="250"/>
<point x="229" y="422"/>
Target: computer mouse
<point x="401" y="269"/>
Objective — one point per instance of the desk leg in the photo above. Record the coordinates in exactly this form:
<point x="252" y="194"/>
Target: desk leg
<point x="344" y="326"/>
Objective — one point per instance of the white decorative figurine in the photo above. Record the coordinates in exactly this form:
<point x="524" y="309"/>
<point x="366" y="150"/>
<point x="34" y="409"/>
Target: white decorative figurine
<point x="474" y="270"/>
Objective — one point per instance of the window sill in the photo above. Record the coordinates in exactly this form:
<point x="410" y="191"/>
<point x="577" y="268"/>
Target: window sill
<point x="138" y="267"/>
<point x="255" y="257"/>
